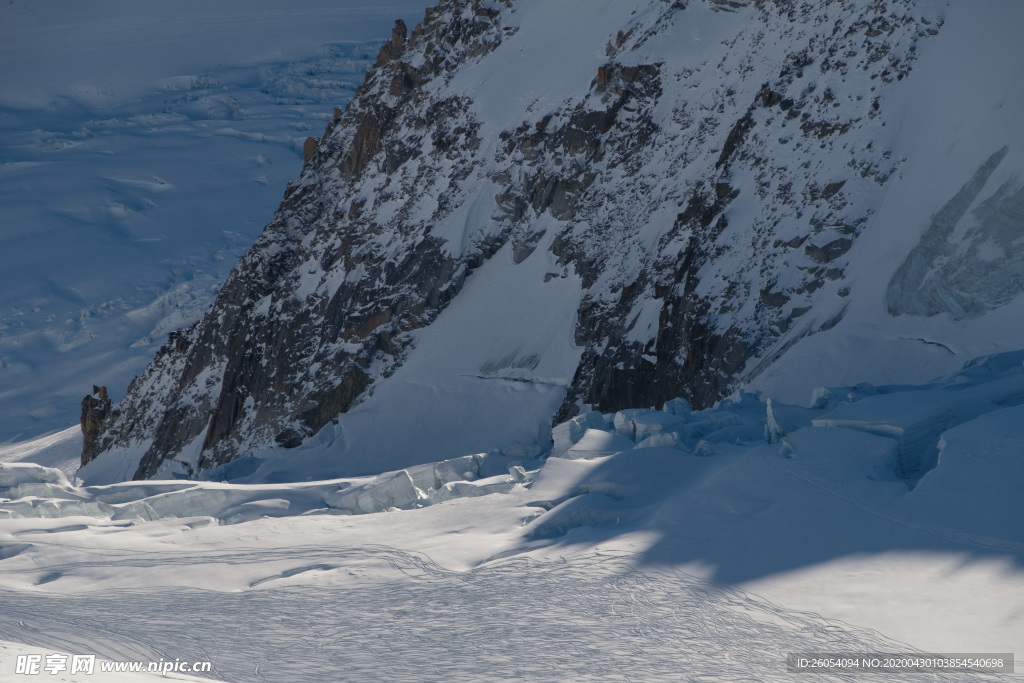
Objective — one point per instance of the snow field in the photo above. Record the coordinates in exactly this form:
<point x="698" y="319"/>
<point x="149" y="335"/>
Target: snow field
<point x="713" y="557"/>
<point x="581" y="619"/>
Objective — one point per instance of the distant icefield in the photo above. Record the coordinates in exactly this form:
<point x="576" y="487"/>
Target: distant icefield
<point x="142" y="148"/>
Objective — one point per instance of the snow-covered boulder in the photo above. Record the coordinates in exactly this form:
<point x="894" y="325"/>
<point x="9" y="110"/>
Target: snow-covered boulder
<point x="597" y="443"/>
<point x="436" y="474"/>
<point x="678" y="406"/>
<point x="395" y="489"/>
<point x="664" y="440"/>
<point x="566" y="434"/>
<point x="13" y="474"/>
<point x="625" y="422"/>
<point x="656" y="422"/>
<point x="471" y="489"/>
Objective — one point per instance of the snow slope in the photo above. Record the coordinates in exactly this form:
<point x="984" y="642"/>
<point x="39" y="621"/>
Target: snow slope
<point x="495" y="387"/>
<point x="712" y="547"/>
<point x="959" y="114"/>
<point x="142" y="148"/>
<point x="61" y="450"/>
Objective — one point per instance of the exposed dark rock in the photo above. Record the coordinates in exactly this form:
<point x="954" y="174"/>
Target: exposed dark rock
<point x="965" y="275"/>
<point x="95" y="410"/>
<point x="773" y="299"/>
<point x="523" y="246"/>
<point x="367" y="141"/>
<point x="289" y="438"/>
<point x="793" y="243"/>
<point x="394" y="48"/>
<point x="309" y="149"/>
<point x="735" y="139"/>
<point x="768" y="97"/>
<point x="829" y="252"/>
<point x="822" y="129"/>
<point x="728" y="5"/>
<point x="831" y="189"/>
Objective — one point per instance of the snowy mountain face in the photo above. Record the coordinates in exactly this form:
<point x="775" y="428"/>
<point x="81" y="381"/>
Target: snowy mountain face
<point x="532" y="207"/>
<point x="529" y="209"/>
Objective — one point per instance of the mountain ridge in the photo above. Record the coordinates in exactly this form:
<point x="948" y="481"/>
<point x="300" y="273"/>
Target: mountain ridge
<point x="704" y="196"/>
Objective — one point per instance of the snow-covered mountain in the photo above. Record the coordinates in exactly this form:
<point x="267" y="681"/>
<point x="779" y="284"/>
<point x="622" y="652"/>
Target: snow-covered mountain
<point x="529" y="208"/>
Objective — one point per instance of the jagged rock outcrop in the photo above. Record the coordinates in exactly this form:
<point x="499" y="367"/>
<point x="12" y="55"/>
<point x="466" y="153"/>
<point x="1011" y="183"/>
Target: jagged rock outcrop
<point x="95" y="410"/>
<point x="704" y="202"/>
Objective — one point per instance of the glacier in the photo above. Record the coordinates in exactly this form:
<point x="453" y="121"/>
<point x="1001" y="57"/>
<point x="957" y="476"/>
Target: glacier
<point x="798" y="528"/>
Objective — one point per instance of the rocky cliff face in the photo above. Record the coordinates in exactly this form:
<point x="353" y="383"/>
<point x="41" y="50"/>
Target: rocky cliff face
<point x="702" y="168"/>
<point x="95" y="409"/>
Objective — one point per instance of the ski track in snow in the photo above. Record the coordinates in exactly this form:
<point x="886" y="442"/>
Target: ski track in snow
<point x="306" y="597"/>
<point x="589" y="618"/>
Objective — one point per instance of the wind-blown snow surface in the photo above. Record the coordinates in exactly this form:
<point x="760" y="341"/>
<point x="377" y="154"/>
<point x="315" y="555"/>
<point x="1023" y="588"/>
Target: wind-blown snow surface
<point x="652" y="545"/>
<point x="142" y="148"/>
